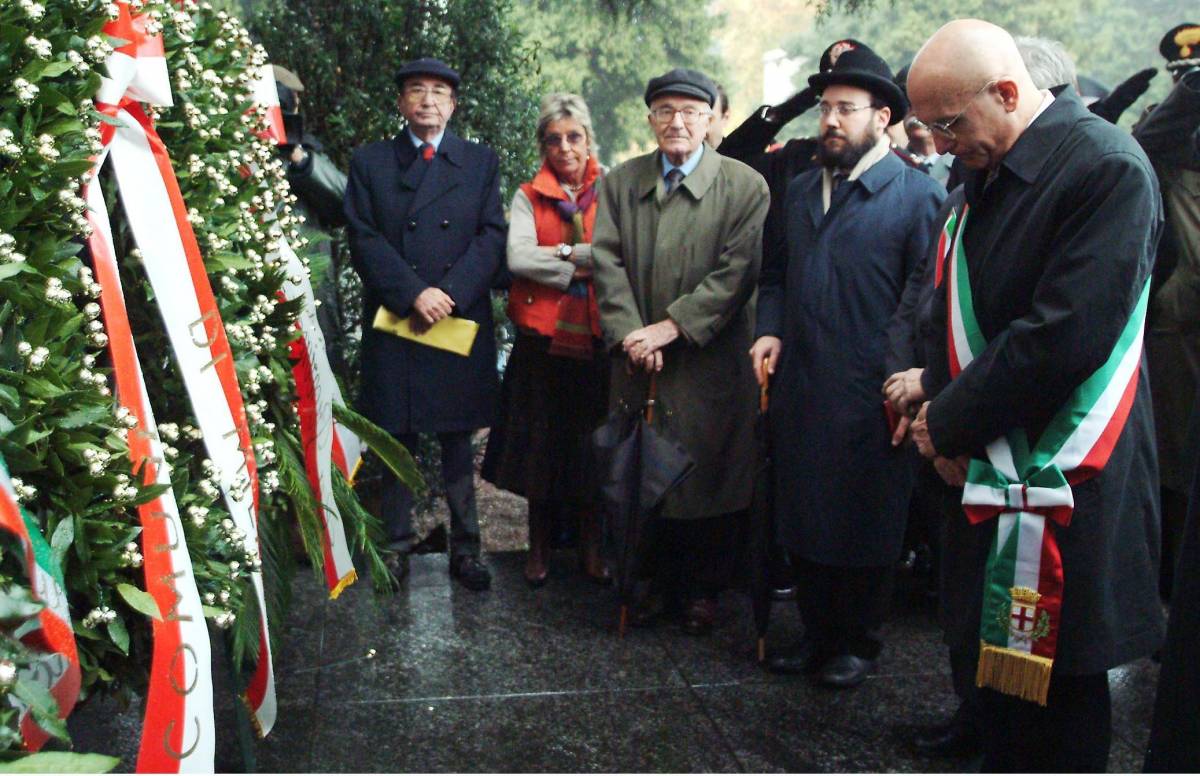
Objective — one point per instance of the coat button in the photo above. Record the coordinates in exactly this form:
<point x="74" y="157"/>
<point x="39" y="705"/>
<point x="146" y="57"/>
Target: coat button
<point x="412" y="225"/>
<point x="413" y="265"/>
<point x="445" y="224"/>
<point x="529" y="299"/>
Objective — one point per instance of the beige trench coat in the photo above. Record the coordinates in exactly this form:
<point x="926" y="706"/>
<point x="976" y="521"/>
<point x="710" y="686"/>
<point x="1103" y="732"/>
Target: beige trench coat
<point x="692" y="256"/>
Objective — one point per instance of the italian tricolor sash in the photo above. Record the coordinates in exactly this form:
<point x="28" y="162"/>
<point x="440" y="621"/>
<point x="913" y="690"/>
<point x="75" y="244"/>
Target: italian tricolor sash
<point x="50" y="632"/>
<point x="1027" y="488"/>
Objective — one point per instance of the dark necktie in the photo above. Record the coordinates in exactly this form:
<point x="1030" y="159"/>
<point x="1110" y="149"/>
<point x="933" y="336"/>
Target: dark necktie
<point x="838" y="189"/>
<point x="427" y="151"/>
<point x="674" y="176"/>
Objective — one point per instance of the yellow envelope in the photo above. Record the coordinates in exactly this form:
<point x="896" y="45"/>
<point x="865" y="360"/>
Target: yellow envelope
<point x="456" y="335"/>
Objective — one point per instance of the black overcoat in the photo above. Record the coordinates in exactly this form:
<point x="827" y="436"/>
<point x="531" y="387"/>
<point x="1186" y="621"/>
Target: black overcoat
<point x="841" y="488"/>
<point x="1059" y="247"/>
<point x="748" y="144"/>
<point x="415" y="224"/>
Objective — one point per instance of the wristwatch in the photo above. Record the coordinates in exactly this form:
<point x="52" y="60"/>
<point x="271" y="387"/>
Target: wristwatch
<point x="564" y="251"/>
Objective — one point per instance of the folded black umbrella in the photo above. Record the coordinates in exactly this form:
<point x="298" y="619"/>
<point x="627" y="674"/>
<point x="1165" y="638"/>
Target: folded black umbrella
<point x="638" y="466"/>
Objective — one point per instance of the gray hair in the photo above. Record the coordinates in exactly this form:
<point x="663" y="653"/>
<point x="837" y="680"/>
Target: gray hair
<point x="1047" y="61"/>
<point x="564" y="105"/>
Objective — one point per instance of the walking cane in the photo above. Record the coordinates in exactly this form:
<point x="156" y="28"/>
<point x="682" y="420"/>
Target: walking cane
<point x="650" y="399"/>
<point x="764" y="372"/>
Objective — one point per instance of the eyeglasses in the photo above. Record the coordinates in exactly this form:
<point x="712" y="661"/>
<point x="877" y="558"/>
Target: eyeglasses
<point x="943" y="128"/>
<point x="665" y="115"/>
<point x="419" y="93"/>
<point x="843" y="109"/>
<point x="556" y="140"/>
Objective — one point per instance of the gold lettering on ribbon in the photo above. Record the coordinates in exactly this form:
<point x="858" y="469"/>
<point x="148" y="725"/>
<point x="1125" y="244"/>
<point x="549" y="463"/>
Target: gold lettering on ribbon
<point x="207" y="340"/>
<point x="174" y="755"/>
<point x="181" y="649"/>
<point x="173" y="614"/>
<point x="172" y="533"/>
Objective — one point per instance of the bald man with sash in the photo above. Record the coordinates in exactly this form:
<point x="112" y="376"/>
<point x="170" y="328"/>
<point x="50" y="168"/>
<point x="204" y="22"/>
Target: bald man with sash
<point x="1036" y="392"/>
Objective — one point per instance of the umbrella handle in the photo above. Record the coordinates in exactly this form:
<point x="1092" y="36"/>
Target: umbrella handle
<point x="765" y="379"/>
<point x="650" y="398"/>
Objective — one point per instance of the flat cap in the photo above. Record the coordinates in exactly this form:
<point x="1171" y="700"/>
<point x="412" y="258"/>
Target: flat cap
<point x="683" y="81"/>
<point x="427" y="66"/>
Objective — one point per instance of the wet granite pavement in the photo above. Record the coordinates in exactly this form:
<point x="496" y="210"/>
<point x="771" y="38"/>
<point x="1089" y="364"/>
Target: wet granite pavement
<point x="441" y="679"/>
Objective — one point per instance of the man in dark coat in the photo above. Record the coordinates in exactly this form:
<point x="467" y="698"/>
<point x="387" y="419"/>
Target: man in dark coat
<point x="427" y="237"/>
<point x="319" y="187"/>
<point x="1169" y="134"/>
<point x="855" y="230"/>
<point x="1058" y="246"/>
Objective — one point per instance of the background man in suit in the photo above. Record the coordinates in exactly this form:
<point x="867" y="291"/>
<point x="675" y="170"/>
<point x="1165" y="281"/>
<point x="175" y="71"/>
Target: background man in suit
<point x="427" y="237"/>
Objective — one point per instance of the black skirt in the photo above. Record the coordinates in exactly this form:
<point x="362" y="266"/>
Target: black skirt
<point x="540" y="446"/>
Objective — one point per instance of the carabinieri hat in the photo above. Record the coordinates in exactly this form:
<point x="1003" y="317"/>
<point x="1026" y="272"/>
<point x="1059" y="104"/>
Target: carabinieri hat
<point x="835" y="50"/>
<point x="1181" y="46"/>
<point x="862" y="67"/>
<point x="683" y="81"/>
<point x="427" y="66"/>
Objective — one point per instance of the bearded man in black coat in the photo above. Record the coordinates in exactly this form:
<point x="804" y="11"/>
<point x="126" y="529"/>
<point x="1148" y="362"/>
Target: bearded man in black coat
<point x="1052" y="263"/>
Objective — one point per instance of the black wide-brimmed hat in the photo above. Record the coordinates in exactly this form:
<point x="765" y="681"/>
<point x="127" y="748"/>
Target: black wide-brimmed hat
<point x="860" y="66"/>
<point x="427" y="66"/>
<point x="1181" y="46"/>
<point x="683" y="81"/>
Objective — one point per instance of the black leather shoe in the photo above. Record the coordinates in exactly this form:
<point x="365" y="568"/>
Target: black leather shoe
<point x="699" y="616"/>
<point x="646" y="610"/>
<point x="951" y="739"/>
<point x="470" y="572"/>
<point x="397" y="563"/>
<point x="786" y="593"/>
<point x="845" y="671"/>
<point x="804" y="658"/>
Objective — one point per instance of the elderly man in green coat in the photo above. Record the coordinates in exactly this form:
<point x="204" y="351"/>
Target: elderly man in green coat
<point x="677" y="248"/>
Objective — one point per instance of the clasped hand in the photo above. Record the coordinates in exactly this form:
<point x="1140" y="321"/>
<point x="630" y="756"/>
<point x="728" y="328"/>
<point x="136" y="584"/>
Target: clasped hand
<point x="644" y="346"/>
<point x="430" y="306"/>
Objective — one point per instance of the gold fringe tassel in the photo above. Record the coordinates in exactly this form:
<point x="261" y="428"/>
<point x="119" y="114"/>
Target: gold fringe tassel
<point x="254" y="723"/>
<point x="1013" y="672"/>
<point x="354" y="474"/>
<point x="343" y="583"/>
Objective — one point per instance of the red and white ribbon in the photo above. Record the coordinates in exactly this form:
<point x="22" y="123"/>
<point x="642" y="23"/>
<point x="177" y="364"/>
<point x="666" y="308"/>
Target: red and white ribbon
<point x="318" y="393"/>
<point x="50" y="632"/>
<point x="266" y="95"/>
<point x="157" y="216"/>
<point x="178" y="734"/>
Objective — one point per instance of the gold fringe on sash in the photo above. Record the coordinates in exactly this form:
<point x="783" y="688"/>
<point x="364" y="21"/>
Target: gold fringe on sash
<point x="1013" y="672"/>
<point x="343" y="583"/>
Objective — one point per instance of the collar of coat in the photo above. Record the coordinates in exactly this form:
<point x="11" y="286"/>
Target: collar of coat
<point x="547" y="184"/>
<point x="1041" y="139"/>
<point x="697" y="182"/>
<point x="452" y="148"/>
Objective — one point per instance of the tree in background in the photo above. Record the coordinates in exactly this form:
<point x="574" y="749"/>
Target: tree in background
<point x="347" y="52"/>
<point x="607" y="52"/>
<point x="1109" y="39"/>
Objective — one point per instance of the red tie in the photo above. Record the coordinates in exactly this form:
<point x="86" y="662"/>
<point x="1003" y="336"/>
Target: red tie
<point x="427" y="151"/>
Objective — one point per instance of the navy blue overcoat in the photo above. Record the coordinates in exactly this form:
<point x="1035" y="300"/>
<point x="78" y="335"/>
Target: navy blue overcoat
<point x="842" y="490"/>
<point x="415" y="224"/>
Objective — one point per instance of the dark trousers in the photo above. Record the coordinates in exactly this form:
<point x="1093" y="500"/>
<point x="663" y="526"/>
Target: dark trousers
<point x="1071" y="734"/>
<point x="690" y="559"/>
<point x="964" y="662"/>
<point x="458" y="478"/>
<point x="842" y="607"/>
